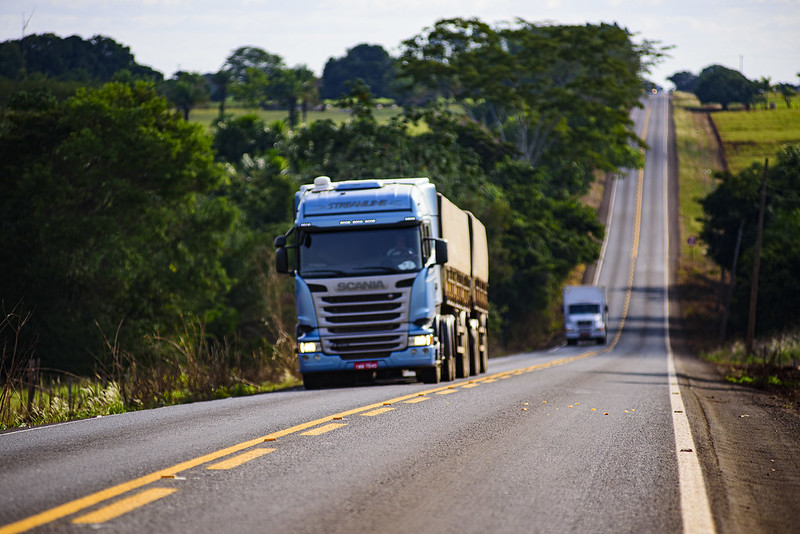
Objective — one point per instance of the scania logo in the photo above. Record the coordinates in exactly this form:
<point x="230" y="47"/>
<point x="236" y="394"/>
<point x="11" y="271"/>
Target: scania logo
<point x="360" y="286"/>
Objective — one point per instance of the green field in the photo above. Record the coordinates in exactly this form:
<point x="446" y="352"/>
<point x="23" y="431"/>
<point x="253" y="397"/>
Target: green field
<point x="751" y="136"/>
<point x="207" y="115"/>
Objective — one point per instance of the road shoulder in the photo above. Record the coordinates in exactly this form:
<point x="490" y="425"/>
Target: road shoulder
<point x="747" y="442"/>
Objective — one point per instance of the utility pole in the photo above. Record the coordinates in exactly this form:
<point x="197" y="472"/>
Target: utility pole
<point x="751" y="319"/>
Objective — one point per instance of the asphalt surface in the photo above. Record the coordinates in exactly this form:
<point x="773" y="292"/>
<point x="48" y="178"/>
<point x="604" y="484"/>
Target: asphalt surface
<point x="576" y="439"/>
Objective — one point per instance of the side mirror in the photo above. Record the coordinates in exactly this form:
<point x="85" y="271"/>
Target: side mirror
<point x="280" y="241"/>
<point x="441" y="251"/>
<point x="281" y="260"/>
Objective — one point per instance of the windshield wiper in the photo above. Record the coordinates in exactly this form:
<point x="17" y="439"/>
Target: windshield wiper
<point x="379" y="268"/>
<point x="335" y="272"/>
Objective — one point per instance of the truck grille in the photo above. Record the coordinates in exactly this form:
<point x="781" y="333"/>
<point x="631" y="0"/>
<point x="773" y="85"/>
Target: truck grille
<point x="363" y="324"/>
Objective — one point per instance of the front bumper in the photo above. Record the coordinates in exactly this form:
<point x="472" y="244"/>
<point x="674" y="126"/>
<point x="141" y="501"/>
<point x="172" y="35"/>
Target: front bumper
<point x="587" y="333"/>
<point x="410" y="358"/>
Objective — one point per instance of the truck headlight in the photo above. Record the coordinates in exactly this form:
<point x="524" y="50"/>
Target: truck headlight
<point x="421" y="341"/>
<point x="309" y="346"/>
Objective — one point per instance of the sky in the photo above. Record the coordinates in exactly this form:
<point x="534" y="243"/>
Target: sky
<point x="761" y="38"/>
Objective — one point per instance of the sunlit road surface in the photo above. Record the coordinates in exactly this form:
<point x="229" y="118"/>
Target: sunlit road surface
<point x="587" y="438"/>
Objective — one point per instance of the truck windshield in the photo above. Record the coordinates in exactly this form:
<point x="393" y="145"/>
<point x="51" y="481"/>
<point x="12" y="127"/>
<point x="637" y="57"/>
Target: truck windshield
<point x="359" y="252"/>
<point x="576" y="309"/>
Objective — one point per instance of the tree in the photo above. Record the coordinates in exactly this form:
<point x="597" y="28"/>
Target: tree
<point x="252" y="70"/>
<point x="244" y="134"/>
<point x="220" y="81"/>
<point x="684" y="81"/>
<point x="291" y="86"/>
<point x="186" y="90"/>
<point x="733" y="206"/>
<point x="560" y="94"/>
<point x="370" y="63"/>
<point x="245" y="58"/>
<point x="787" y="91"/>
<point x="724" y="86"/>
<point x="95" y="60"/>
<point x="108" y="218"/>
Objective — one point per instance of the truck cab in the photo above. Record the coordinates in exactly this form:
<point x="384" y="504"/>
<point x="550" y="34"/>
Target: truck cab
<point x="585" y="314"/>
<point x="367" y="258"/>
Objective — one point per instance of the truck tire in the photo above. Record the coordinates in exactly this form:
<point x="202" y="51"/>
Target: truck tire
<point x="484" y="344"/>
<point x="430" y="375"/>
<point x="463" y="358"/>
<point x="447" y="336"/>
<point x="314" y="380"/>
<point x="474" y="348"/>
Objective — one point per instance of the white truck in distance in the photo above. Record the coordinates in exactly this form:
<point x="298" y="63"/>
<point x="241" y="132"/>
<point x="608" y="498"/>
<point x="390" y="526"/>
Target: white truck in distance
<point x="585" y="313"/>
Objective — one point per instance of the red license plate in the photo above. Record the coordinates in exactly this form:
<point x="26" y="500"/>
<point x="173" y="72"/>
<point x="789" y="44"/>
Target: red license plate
<point x="363" y="366"/>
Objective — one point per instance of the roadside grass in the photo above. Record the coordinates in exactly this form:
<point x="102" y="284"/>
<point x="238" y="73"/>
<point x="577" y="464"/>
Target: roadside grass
<point x="188" y="366"/>
<point x="698" y="277"/>
<point x="774" y="366"/>
<point x="57" y="399"/>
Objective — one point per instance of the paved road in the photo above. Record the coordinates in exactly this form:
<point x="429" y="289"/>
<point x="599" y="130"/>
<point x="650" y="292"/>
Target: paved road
<point x="577" y="439"/>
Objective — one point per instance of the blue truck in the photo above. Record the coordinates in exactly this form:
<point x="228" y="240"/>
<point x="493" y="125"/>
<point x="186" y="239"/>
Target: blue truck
<point x="390" y="277"/>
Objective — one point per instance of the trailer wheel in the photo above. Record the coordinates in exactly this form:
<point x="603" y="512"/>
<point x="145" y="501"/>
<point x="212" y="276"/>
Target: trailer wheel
<point x="461" y="336"/>
<point x="483" y="341"/>
<point x="475" y="348"/>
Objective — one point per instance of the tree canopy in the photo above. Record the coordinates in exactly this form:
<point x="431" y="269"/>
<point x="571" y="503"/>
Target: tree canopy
<point x="70" y="59"/>
<point x="684" y="81"/>
<point x="724" y="86"/>
<point x="730" y="215"/>
<point x="108" y="218"/>
<point x="186" y="90"/>
<point x="560" y="94"/>
<point x="370" y="63"/>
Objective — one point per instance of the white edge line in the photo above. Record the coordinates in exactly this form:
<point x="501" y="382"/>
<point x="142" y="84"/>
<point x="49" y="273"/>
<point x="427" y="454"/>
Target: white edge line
<point x="609" y="219"/>
<point x="695" y="509"/>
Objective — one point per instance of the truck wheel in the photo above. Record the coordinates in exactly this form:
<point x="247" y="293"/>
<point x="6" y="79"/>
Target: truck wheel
<point x="474" y="348"/>
<point x="601" y="340"/>
<point x="314" y="380"/>
<point x="448" y="369"/>
<point x="430" y="375"/>
<point x="463" y="358"/>
<point x="483" y="345"/>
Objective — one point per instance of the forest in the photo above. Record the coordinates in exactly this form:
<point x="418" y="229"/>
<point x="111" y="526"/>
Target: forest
<point x="138" y="246"/>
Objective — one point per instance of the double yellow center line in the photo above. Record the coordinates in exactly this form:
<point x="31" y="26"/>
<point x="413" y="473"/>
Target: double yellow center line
<point x="315" y="427"/>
